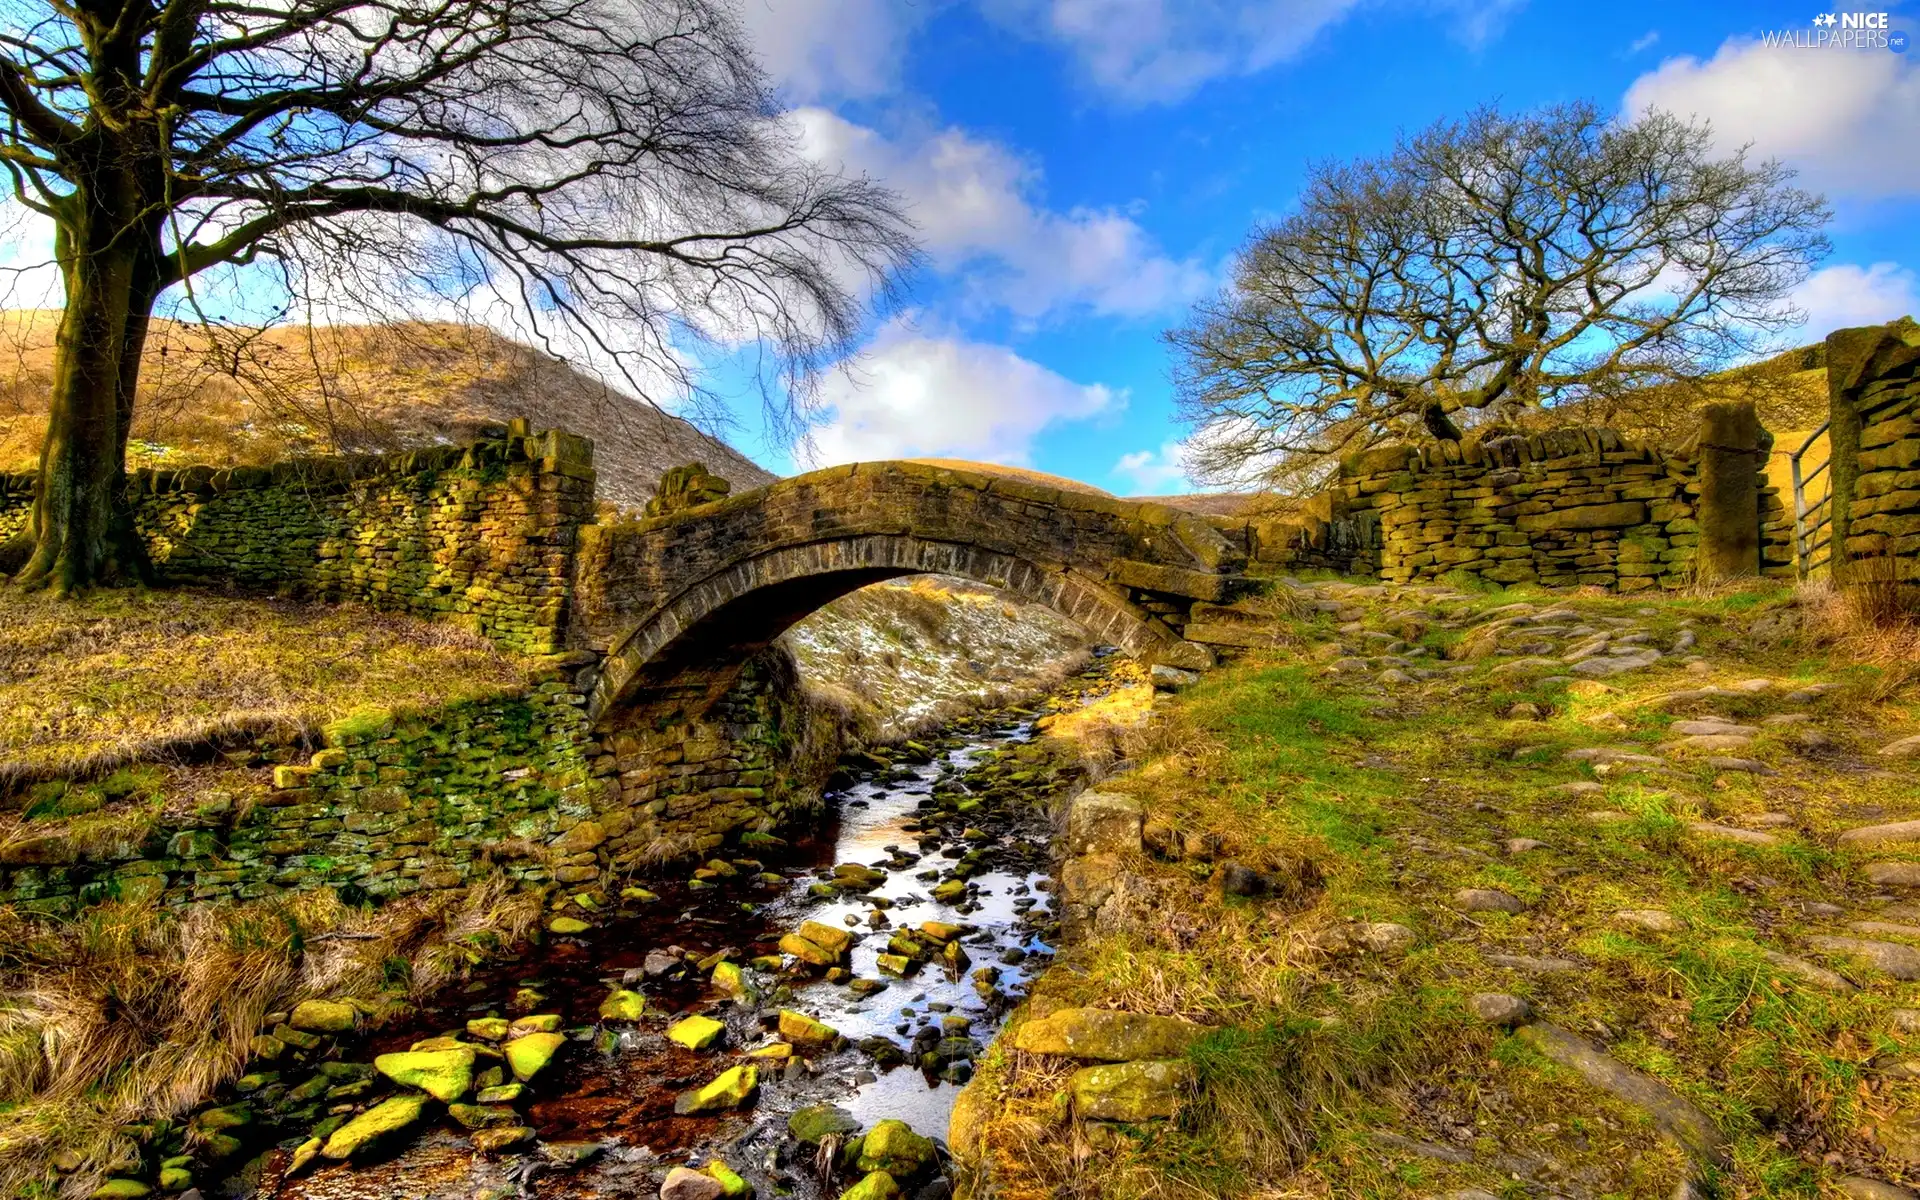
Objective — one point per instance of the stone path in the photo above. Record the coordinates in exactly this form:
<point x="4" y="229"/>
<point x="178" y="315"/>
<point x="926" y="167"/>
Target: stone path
<point x="1688" y="737"/>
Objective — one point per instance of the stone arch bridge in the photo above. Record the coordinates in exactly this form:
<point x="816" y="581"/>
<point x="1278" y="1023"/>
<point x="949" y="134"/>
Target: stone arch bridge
<point x="678" y="603"/>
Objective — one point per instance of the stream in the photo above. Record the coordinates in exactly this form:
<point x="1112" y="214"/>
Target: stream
<point x="961" y="801"/>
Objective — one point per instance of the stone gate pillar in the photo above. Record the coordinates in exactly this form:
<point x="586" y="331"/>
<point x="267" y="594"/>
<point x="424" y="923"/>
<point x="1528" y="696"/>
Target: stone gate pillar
<point x="1733" y="452"/>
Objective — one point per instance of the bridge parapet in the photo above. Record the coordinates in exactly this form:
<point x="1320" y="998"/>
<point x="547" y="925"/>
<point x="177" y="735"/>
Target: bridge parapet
<point x="679" y="601"/>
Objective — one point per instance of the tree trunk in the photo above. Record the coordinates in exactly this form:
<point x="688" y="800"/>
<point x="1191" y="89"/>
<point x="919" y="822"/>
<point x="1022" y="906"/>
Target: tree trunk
<point x="81" y="531"/>
<point x="1438" y="423"/>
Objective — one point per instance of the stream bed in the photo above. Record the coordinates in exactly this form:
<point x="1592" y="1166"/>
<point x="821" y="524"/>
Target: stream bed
<point x="968" y="804"/>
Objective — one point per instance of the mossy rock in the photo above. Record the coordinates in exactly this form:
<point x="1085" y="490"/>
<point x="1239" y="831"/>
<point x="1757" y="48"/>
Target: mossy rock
<point x="731" y="1089"/>
<point x="528" y="1055"/>
<point x="567" y="925"/>
<point x="808" y="951"/>
<point x="736" y="1187"/>
<point x="893" y="1148"/>
<point x="504" y="1093"/>
<point x="804" y="1032"/>
<point x="811" y="1124"/>
<point x="446" y="1075"/>
<point x="121" y="1189"/>
<point x="878" y="1185"/>
<point x="324" y="1016"/>
<point x="623" y="1005"/>
<point x="374" y="1128"/>
<point x="488" y="1029"/>
<point x="482" y="1116"/>
<point x="829" y="938"/>
<point x="696" y="1032"/>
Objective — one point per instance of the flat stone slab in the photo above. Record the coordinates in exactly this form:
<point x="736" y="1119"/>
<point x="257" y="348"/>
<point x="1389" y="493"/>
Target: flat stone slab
<point x="1810" y="973"/>
<point x="1671" y="1114"/>
<point x="1901" y="962"/>
<point x="1894" y="874"/>
<point x="1727" y="833"/>
<point x="1654" y="920"/>
<point x="1709" y="727"/>
<point x="1881" y="835"/>
<point x="1534" y="965"/>
<point x="1906" y="747"/>
<point x="1746" y="765"/>
<point x="1885" y="928"/>
<point x="1607" y="666"/>
<point x="1613" y="756"/>
<point x="1488" y="900"/>
<point x="1712" y="742"/>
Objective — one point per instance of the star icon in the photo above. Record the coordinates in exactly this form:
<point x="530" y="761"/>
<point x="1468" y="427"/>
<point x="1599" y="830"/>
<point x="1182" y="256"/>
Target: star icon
<point x="1824" y="19"/>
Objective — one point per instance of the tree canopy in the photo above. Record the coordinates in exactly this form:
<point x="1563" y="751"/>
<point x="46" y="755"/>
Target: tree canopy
<point x="1488" y="266"/>
<point x="615" y="168"/>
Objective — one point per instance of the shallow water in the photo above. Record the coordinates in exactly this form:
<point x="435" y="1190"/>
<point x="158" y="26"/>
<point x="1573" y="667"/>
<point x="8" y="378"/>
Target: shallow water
<point x="617" y="1090"/>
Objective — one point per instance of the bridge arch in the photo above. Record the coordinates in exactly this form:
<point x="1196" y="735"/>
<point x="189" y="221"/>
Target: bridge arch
<point x="679" y="603"/>
<point x="688" y="653"/>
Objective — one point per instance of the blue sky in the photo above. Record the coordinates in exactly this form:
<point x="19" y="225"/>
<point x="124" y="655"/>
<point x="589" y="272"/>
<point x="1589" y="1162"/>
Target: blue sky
<point x="1082" y="170"/>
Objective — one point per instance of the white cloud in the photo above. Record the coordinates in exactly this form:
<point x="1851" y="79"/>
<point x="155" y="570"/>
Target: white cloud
<point x="919" y="395"/>
<point x="820" y="48"/>
<point x="1160" y="472"/>
<point x="971" y="199"/>
<point x="1645" y="41"/>
<point x="1846" y="295"/>
<point x="1151" y="51"/>
<point x="1160" y="51"/>
<point x="1837" y="115"/>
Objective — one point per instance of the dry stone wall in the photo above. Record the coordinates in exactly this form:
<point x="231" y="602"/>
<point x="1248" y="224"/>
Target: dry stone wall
<point x="482" y="534"/>
<point x="1873" y="378"/>
<point x="397" y="803"/>
<point x="1562" y="508"/>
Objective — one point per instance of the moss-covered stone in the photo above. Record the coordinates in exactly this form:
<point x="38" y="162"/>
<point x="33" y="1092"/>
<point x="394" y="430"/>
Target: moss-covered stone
<point x="324" y="1016"/>
<point x="623" y="1005"/>
<point x="529" y="1054"/>
<point x="696" y="1032"/>
<point x="804" y="1032"/>
<point x="732" y="1088"/>
<point x="446" y="1075"/>
<point x="877" y="1185"/>
<point x="376" y="1128"/>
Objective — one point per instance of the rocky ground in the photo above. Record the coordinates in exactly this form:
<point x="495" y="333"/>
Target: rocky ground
<point x="794" y="1023"/>
<point x="1440" y="893"/>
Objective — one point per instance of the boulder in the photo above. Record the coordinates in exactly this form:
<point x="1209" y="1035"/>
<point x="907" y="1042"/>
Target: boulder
<point x="446" y="1075"/>
<point x="530" y="1053"/>
<point x="1104" y="823"/>
<point x="730" y="1089"/>
<point x="1131" y="1091"/>
<point x="376" y="1127"/>
<point x="1106" y="1034"/>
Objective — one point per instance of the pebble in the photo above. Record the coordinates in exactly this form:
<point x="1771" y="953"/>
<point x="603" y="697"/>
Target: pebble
<point x="1521" y="845"/>
<point x="1792" y="718"/>
<point x="1579" y="787"/>
<point x="1534" y="965"/>
<point x="1747" y="765"/>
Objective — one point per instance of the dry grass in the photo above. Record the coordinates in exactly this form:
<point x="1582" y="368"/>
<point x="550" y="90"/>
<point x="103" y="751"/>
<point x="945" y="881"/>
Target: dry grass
<point x="1872" y="625"/>
<point x="86" y="685"/>
<point x="130" y="1012"/>
<point x="256" y="397"/>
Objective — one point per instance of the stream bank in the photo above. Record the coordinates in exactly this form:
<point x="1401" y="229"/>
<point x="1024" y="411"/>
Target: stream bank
<point x="929" y="861"/>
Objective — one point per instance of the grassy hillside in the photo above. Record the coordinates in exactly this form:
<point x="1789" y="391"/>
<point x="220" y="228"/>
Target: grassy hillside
<point x="351" y="388"/>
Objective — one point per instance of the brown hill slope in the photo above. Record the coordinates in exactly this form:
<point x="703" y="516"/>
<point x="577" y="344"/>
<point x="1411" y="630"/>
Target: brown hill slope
<point x="352" y="388"/>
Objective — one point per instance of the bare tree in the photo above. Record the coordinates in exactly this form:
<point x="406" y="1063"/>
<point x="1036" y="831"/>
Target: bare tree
<point x="617" y="168"/>
<point x="1487" y="266"/>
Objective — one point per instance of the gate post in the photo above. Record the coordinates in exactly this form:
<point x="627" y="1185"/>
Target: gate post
<point x="1732" y="449"/>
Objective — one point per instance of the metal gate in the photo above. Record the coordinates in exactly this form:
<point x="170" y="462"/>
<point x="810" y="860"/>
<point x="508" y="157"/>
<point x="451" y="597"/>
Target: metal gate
<point x="1812" y="523"/>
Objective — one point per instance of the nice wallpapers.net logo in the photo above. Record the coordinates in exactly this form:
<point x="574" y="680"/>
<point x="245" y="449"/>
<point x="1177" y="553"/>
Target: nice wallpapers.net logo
<point x="1842" y="31"/>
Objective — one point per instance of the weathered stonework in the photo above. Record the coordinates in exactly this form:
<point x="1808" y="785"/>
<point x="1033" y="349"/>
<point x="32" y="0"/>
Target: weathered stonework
<point x="677" y="602"/>
<point x="1873" y="382"/>
<point x="482" y="534"/>
<point x="1567" y="507"/>
<point x="398" y="803"/>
